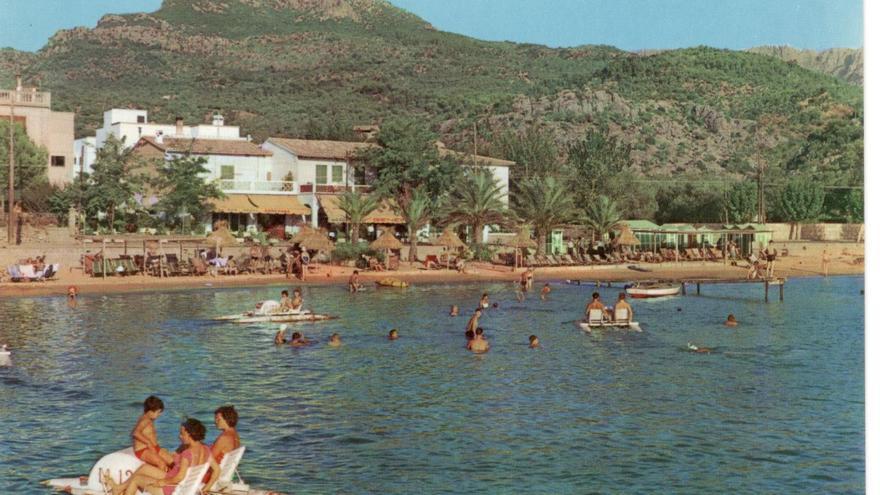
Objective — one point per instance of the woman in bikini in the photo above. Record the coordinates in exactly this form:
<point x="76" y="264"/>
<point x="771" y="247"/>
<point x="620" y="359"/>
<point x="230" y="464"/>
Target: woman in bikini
<point x="225" y="417"/>
<point x="157" y="482"/>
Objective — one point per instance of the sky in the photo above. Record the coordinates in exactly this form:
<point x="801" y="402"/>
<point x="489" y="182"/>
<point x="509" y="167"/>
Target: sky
<point x="626" y="24"/>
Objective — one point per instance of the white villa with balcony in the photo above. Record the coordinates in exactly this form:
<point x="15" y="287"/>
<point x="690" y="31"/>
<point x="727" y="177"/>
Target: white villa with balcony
<point x="130" y="125"/>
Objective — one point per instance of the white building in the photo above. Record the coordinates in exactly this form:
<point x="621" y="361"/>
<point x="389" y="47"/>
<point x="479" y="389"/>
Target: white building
<point x="129" y="125"/>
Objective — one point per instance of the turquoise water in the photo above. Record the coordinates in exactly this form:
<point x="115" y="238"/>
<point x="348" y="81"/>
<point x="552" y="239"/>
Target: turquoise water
<point x="778" y="408"/>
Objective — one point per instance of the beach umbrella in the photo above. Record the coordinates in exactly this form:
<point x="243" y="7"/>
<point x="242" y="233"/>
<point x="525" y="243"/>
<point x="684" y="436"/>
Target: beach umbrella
<point x="317" y="241"/>
<point x="626" y="237"/>
<point x="386" y="241"/>
<point x="304" y="231"/>
<point x="221" y="238"/>
<point x="448" y="240"/>
<point x="521" y="240"/>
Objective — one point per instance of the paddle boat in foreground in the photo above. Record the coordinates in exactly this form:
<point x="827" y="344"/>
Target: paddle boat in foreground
<point x="120" y="464"/>
<point x="258" y="316"/>
<point x="596" y="321"/>
<point x="643" y="290"/>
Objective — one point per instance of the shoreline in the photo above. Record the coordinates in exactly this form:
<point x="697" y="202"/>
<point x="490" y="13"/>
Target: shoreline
<point x="790" y="267"/>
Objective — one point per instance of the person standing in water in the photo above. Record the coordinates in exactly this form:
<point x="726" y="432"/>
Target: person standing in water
<point x="354" y="283"/>
<point x="474" y="322"/>
<point x="545" y="291"/>
<point x="479" y="345"/>
<point x="826" y="261"/>
<point x="484" y="301"/>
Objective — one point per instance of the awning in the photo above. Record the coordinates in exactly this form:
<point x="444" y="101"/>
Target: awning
<point x="234" y="203"/>
<point x="273" y="204"/>
<point x="330" y="203"/>
<point x="269" y="204"/>
<point x="385" y="214"/>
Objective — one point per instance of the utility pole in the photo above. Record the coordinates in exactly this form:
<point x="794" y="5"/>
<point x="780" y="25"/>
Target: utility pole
<point x="475" y="144"/>
<point x="762" y="216"/>
<point x="10" y="193"/>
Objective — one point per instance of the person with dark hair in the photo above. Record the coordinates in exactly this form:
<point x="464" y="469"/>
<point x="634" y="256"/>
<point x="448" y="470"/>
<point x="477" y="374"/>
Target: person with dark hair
<point x="156" y="481"/>
<point x="393" y="335"/>
<point x="484" y="301"/>
<point x="298" y="340"/>
<point x="533" y="341"/>
<point x="474" y="322"/>
<point x="479" y="344"/>
<point x="354" y="283"/>
<point x="335" y="340"/>
<point x="144" y="440"/>
<point x="469" y="335"/>
<point x="284" y="303"/>
<point x="296" y="303"/>
<point x="225" y="418"/>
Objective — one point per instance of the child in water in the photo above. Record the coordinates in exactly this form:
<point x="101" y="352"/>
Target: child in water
<point x="392" y="335"/>
<point x="533" y="341"/>
<point x="335" y="340"/>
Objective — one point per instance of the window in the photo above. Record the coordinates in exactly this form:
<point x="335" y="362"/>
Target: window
<point x="227" y="172"/>
<point x="57" y="161"/>
<point x="141" y="119"/>
<point x="337" y="174"/>
<point x="320" y="174"/>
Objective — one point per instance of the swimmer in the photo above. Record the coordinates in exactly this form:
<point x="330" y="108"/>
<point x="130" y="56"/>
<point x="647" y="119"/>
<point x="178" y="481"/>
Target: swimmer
<point x="392" y="335"/>
<point x="72" y="292"/>
<point x="700" y="350"/>
<point x="545" y="292"/>
<point x="533" y="341"/>
<point x="335" y="340"/>
<point x="484" y="301"/>
<point x="453" y="311"/>
<point x="474" y="322"/>
<point x="479" y="344"/>
<point x="495" y="305"/>
<point x="469" y="335"/>
<point x="731" y="321"/>
<point x="298" y="340"/>
<point x="279" y="338"/>
<point x="354" y="283"/>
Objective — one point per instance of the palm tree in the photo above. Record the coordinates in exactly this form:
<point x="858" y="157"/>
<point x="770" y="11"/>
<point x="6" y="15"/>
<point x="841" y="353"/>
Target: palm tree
<point x="476" y="201"/>
<point x="356" y="208"/>
<point x="546" y="204"/>
<point x="603" y="215"/>
<point x="416" y="208"/>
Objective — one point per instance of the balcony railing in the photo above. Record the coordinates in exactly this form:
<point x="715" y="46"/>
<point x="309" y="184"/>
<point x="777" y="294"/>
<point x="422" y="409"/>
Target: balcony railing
<point x="26" y="98"/>
<point x="333" y="189"/>
<point x="259" y="186"/>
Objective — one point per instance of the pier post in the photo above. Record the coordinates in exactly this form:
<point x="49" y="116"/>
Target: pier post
<point x="782" y="291"/>
<point x="766" y="291"/>
<point x="684" y="290"/>
<point x="698" y="288"/>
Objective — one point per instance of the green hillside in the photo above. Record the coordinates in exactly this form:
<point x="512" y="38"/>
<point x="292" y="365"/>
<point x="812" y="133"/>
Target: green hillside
<point x="314" y="68"/>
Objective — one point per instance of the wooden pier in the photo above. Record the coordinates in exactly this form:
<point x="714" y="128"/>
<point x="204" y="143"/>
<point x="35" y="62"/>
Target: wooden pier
<point x="780" y="282"/>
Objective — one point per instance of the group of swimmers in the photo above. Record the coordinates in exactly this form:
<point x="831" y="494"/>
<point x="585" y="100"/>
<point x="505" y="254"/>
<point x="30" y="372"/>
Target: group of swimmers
<point x="162" y="470"/>
<point x="297" y="339"/>
<point x="474" y="333"/>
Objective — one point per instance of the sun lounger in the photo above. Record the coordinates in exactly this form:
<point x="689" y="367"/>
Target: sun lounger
<point x="621" y="315"/>
<point x="228" y="469"/>
<point x="192" y="481"/>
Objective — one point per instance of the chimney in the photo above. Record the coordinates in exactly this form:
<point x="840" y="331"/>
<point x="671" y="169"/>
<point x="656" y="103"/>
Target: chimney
<point x="178" y="123"/>
<point x="217" y="119"/>
<point x="18" y="82"/>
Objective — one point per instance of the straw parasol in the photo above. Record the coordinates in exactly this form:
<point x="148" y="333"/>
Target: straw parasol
<point x="222" y="238"/>
<point x="521" y="240"/>
<point x="448" y="240"/>
<point x="304" y="231"/>
<point x="317" y="241"/>
<point x="386" y="241"/>
<point x="626" y="237"/>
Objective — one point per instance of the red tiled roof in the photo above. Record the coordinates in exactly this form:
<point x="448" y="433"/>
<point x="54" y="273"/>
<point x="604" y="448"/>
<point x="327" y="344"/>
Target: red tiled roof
<point x="311" y="148"/>
<point x="468" y="158"/>
<point x="207" y="146"/>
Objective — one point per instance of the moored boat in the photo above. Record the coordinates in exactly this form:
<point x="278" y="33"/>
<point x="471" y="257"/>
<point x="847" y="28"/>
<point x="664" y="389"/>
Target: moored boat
<point x="653" y="289"/>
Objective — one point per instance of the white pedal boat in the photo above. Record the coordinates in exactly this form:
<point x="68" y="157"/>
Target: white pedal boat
<point x="643" y="291"/>
<point x="284" y="317"/>
<point x="595" y="320"/>
<point x="122" y="463"/>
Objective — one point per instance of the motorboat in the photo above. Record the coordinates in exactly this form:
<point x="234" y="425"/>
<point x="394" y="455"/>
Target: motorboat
<point x="643" y="290"/>
<point x="122" y="463"/>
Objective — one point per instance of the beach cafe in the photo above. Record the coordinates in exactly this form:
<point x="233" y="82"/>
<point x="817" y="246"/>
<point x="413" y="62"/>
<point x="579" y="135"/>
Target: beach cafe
<point x="748" y="237"/>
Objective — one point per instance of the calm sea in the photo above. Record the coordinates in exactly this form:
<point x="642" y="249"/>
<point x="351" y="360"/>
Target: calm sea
<point x="777" y="408"/>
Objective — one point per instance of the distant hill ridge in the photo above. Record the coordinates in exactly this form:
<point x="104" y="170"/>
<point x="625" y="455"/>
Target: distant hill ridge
<point x="314" y="68"/>
<point x="844" y="63"/>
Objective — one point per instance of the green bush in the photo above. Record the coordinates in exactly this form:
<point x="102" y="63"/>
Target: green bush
<point x="346" y="251"/>
<point x="481" y="252"/>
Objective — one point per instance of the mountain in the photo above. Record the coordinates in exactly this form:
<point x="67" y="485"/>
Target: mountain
<point x="844" y="63"/>
<point x="314" y="68"/>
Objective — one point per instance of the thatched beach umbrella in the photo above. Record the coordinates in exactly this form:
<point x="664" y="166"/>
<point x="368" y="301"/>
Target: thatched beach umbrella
<point x="386" y="241"/>
<point x="221" y="238"/>
<point x="626" y="237"/>
<point x="304" y="231"/>
<point x="317" y="241"/>
<point x="448" y="240"/>
<point x="521" y="240"/>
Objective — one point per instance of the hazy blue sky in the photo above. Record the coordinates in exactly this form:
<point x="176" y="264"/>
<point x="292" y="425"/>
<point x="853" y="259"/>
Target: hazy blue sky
<point x="627" y="24"/>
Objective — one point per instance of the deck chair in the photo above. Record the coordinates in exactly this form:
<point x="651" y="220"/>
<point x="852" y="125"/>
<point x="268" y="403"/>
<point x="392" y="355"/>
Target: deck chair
<point x="594" y="316"/>
<point x="432" y="262"/>
<point x="597" y="259"/>
<point x="228" y="469"/>
<point x="192" y="481"/>
<point x="198" y="266"/>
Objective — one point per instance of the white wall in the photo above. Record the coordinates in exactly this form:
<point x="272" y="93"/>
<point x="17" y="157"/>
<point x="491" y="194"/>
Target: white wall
<point x="84" y="153"/>
<point x="305" y="170"/>
<point x="247" y="168"/>
<point x="282" y="162"/>
<point x="502" y="176"/>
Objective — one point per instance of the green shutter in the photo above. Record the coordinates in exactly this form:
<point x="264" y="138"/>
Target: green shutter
<point x="337" y="174"/>
<point x="320" y="174"/>
<point x="227" y="172"/>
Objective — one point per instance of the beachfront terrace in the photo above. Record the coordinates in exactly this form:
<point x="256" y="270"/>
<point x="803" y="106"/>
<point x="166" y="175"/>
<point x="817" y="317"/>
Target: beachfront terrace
<point x="334" y="188"/>
<point x="258" y="186"/>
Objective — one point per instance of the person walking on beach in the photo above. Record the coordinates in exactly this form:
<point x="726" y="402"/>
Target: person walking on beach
<point x="826" y="261"/>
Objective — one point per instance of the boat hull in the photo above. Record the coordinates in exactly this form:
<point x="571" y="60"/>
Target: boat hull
<point x="646" y="292"/>
<point x="624" y="325"/>
<point x="285" y="318"/>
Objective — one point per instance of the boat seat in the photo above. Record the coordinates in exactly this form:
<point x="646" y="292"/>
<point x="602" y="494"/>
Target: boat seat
<point x="594" y="316"/>
<point x="621" y="315"/>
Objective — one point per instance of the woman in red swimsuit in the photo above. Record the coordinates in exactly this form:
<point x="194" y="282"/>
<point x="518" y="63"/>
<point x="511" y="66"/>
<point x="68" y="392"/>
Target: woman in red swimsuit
<point x="157" y="482"/>
<point x="225" y="417"/>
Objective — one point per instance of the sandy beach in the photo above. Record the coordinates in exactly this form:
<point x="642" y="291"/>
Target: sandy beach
<point x="787" y="266"/>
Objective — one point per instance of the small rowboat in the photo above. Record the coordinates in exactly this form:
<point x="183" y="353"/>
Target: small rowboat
<point x="392" y="282"/>
<point x="643" y="291"/>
